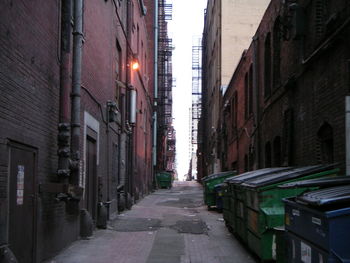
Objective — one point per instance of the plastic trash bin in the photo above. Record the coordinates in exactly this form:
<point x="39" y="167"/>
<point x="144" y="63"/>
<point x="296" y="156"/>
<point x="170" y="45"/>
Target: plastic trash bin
<point x="237" y="217"/>
<point x="209" y="183"/>
<point x="219" y="188"/>
<point x="318" y="228"/>
<point x="265" y="209"/>
<point x="164" y="179"/>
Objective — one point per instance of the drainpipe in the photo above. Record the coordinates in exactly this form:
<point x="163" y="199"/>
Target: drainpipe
<point x="256" y="100"/>
<point x="63" y="171"/>
<point x="76" y="85"/>
<point x="128" y="128"/>
<point x="347" y="133"/>
<point x="155" y="76"/>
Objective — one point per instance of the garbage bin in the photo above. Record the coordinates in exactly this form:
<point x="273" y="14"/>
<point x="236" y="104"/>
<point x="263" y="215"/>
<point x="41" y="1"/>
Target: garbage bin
<point x="219" y="188"/>
<point x="209" y="183"/>
<point x="318" y="224"/>
<point x="226" y="199"/>
<point x="164" y="179"/>
<point x="237" y="217"/>
<point x="265" y="209"/>
<point x="278" y="251"/>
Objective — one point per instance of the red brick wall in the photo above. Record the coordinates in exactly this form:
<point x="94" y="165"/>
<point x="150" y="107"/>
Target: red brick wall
<point x="313" y="91"/>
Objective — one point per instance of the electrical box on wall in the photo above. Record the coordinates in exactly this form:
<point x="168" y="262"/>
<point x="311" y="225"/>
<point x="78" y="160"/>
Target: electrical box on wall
<point x="133" y="105"/>
<point x="113" y="112"/>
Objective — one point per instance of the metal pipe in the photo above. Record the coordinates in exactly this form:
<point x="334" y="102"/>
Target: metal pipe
<point x="76" y="87"/>
<point x="347" y="133"/>
<point x="155" y="69"/>
<point x="63" y="170"/>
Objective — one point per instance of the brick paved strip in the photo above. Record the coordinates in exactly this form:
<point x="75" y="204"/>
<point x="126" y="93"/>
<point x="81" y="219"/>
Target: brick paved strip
<point x="109" y="246"/>
<point x="168" y="247"/>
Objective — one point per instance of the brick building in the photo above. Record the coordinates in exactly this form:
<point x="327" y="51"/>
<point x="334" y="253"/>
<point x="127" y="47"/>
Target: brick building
<point x="285" y="104"/>
<point x="228" y="28"/>
<point x="76" y="131"/>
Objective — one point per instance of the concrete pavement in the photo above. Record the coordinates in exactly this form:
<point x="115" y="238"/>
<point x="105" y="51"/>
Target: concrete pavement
<point x="168" y="226"/>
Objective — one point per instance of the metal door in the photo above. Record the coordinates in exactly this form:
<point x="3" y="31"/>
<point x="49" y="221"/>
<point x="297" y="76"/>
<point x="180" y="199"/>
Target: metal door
<point x="91" y="176"/>
<point x="22" y="202"/>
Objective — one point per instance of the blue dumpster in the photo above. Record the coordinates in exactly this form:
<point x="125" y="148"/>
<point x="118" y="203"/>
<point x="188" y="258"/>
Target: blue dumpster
<point x="218" y="189"/>
<point x="318" y="226"/>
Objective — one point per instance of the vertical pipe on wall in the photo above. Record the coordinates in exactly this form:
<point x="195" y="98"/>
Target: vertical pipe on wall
<point x="155" y="123"/>
<point x="347" y="133"/>
<point x="64" y="108"/>
<point x="76" y="85"/>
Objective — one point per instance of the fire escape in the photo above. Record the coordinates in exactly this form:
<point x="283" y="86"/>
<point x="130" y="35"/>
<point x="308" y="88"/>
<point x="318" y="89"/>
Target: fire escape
<point x="166" y="132"/>
<point x="196" y="101"/>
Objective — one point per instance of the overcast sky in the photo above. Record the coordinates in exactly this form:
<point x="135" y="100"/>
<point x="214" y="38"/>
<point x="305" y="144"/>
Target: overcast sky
<point x="187" y="23"/>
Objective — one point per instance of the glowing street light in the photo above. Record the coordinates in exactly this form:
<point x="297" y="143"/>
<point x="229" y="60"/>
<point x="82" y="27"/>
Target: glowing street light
<point x="135" y="65"/>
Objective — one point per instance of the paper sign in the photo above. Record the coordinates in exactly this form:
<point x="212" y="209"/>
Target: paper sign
<point x="20" y="184"/>
<point x="305" y="253"/>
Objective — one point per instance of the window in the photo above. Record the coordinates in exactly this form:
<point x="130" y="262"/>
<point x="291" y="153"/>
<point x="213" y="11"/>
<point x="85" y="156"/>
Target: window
<point x="251" y="98"/>
<point x="276" y="53"/>
<point x="267" y="64"/>
<point x="234" y="110"/>
<point x="118" y="61"/>
<point x="246" y="96"/>
<point x="138" y="39"/>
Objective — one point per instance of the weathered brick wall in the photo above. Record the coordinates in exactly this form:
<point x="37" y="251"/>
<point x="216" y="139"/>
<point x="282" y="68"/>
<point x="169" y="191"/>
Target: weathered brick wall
<point x="29" y="84"/>
<point x="308" y="95"/>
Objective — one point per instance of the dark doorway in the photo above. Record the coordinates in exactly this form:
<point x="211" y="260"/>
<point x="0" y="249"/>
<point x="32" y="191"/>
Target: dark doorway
<point x="268" y="155"/>
<point x="277" y="152"/>
<point x="22" y="166"/>
<point x="325" y="137"/>
<point x="91" y="173"/>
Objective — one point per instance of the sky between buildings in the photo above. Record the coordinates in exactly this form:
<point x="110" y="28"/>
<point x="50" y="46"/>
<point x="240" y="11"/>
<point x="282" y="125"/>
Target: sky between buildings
<point x="186" y="27"/>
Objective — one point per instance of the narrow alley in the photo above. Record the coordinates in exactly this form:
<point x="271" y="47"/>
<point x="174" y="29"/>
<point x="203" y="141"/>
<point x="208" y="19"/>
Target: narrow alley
<point x="166" y="226"/>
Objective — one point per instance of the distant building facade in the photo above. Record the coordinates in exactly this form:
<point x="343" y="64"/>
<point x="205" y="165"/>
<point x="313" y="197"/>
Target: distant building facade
<point x="285" y="104"/>
<point x="228" y="29"/>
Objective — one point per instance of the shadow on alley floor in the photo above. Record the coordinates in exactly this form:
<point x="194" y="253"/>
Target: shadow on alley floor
<point x="168" y="226"/>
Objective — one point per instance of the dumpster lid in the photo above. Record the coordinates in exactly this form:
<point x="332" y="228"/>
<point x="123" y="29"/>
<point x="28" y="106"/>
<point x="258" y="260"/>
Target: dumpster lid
<point x="323" y="182"/>
<point x="327" y="196"/>
<point x="287" y="175"/>
<point x="238" y="179"/>
<point x="217" y="175"/>
<point x="220" y="185"/>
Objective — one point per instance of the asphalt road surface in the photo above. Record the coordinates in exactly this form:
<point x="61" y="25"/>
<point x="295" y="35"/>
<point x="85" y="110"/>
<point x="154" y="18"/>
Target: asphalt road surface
<point x="167" y="226"/>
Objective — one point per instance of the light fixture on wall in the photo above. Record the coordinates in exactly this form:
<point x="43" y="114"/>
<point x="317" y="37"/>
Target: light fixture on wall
<point x="135" y="65"/>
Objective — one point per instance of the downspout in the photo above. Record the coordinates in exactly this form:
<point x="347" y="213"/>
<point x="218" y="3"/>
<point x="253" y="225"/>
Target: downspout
<point x="155" y="76"/>
<point x="347" y="133"/>
<point x="128" y="129"/>
<point x="63" y="171"/>
<point x="76" y="86"/>
<point x="256" y="101"/>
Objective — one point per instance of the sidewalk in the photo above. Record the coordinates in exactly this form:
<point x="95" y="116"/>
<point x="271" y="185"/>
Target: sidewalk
<point x="168" y="226"/>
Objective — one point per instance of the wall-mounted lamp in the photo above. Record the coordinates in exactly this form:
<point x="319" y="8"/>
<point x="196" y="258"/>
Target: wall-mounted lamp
<point x="135" y="65"/>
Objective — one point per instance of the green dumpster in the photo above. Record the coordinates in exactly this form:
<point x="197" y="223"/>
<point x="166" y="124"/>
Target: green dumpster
<point x="264" y="206"/>
<point x="236" y="212"/>
<point x="164" y="179"/>
<point x="209" y="183"/>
